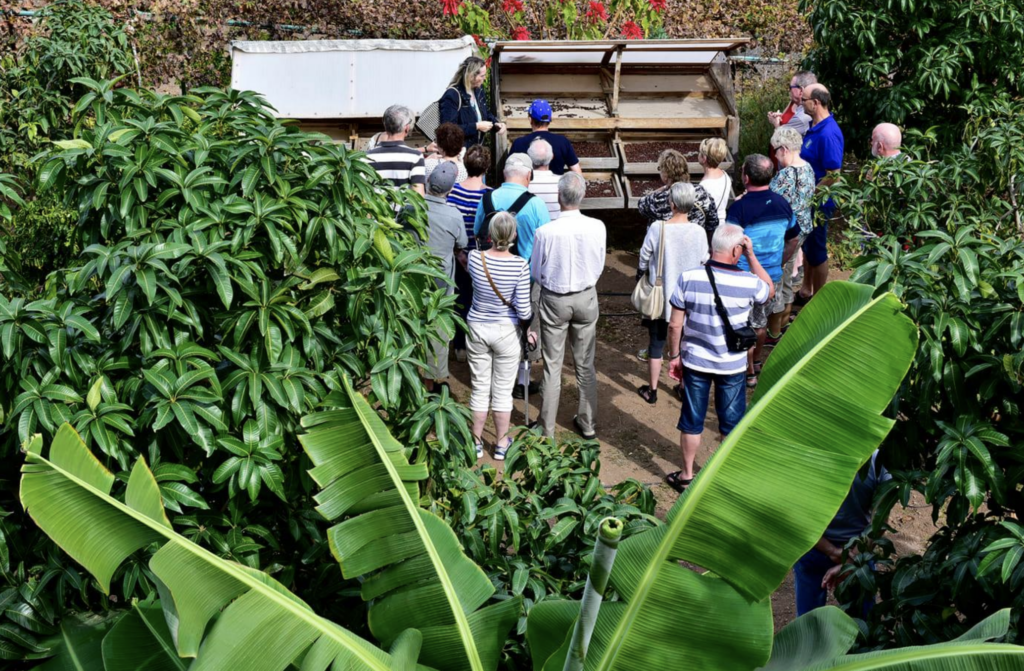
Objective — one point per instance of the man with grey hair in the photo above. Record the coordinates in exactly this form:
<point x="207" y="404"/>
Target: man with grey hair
<point x="886" y="140"/>
<point x="568" y="259"/>
<point x="699" y="355"/>
<point x="544" y="184"/>
<point x="446" y="235"/>
<point x="392" y="158"/>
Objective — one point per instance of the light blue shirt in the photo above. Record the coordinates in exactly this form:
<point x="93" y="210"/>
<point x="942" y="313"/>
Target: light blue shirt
<point x="533" y="216"/>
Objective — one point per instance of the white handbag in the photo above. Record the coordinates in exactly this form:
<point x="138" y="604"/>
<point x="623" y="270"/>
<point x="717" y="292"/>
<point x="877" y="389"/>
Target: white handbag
<point x="649" y="299"/>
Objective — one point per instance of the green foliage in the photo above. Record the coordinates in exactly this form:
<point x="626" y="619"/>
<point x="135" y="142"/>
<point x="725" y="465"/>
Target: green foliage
<point x="950" y="246"/>
<point x="232" y="269"/>
<point x="759" y="93"/>
<point x="531" y="528"/>
<point x="42" y="235"/>
<point x="557" y="19"/>
<point x="913" y="63"/>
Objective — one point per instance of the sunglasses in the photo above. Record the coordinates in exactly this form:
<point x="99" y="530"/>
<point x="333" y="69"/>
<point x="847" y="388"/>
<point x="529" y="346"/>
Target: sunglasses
<point x="794" y="86"/>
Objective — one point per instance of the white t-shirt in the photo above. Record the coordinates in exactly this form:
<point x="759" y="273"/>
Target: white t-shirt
<point x="545" y="185"/>
<point x="720" y="190"/>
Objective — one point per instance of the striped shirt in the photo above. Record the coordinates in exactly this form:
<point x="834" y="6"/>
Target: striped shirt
<point x="398" y="162"/>
<point x="512" y="277"/>
<point x="545" y="185"/>
<point x="704" y="347"/>
<point x="466" y="202"/>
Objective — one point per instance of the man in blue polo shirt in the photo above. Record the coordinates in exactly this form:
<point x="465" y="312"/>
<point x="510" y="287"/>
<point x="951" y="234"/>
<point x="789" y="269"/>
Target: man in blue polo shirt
<point x="564" y="156"/>
<point x="823" y="149"/>
<point x="769" y="222"/>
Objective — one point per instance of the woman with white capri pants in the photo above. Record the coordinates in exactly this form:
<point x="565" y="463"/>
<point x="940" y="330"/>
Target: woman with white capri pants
<point x="500" y="310"/>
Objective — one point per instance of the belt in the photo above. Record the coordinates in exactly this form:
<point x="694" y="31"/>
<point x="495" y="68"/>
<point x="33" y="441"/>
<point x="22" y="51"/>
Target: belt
<point x="544" y="289"/>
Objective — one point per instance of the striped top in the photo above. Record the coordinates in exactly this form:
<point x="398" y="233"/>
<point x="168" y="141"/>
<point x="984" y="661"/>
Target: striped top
<point x="397" y="162"/>
<point x="466" y="202"/>
<point x="704" y="347"/>
<point x="512" y="277"/>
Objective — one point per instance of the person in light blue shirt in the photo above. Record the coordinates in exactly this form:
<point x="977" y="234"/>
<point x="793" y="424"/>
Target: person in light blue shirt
<point x="768" y="220"/>
<point x="531" y="216"/>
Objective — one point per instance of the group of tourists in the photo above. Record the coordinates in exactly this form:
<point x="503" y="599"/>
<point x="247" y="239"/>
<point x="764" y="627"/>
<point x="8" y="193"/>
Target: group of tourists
<point x="525" y="262"/>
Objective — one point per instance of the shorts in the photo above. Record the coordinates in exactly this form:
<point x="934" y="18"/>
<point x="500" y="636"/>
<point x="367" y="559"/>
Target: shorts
<point x="657" y="329"/>
<point x="816" y="245"/>
<point x="760" y="311"/>
<point x="785" y="290"/>
<point x="730" y="400"/>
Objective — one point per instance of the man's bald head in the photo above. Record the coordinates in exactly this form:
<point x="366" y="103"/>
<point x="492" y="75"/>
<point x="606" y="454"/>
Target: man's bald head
<point x="817" y="102"/>
<point x="886" y="140"/>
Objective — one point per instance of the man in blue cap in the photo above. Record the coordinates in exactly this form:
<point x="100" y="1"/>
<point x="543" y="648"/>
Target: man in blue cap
<point x="564" y="155"/>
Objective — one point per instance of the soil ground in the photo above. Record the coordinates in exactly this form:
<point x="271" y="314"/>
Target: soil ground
<point x="639" y="440"/>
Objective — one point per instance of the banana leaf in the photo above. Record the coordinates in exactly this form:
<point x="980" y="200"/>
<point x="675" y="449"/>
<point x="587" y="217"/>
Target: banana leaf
<point x="141" y="640"/>
<point x="761" y="501"/>
<point x="820" y="639"/>
<point x="78" y="643"/>
<point x="415" y="574"/>
<point x="257" y="624"/>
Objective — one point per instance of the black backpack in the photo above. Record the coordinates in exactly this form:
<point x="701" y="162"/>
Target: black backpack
<point x="483" y="238"/>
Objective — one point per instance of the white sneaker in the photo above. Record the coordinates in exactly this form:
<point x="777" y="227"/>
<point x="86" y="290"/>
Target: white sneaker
<point x="500" y="452"/>
<point x="479" y="450"/>
<point x="642" y="355"/>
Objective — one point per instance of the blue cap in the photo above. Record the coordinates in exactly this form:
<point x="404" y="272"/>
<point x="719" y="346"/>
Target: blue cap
<point x="540" y="110"/>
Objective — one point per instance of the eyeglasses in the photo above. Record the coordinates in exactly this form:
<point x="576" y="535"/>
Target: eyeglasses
<point x="803" y="100"/>
<point x="794" y="86"/>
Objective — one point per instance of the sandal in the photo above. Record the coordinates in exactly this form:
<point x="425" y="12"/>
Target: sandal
<point x="751" y="380"/>
<point x="500" y="452"/>
<point x="648" y="394"/>
<point x="677" y="482"/>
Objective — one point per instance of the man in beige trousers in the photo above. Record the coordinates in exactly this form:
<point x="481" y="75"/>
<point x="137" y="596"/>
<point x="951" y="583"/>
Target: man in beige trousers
<point x="567" y="260"/>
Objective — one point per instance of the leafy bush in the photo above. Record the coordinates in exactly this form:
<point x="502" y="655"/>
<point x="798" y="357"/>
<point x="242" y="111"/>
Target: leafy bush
<point x="915" y="64"/>
<point x="232" y="269"/>
<point x="951" y="248"/>
<point x="532" y="527"/>
<point x="760" y="92"/>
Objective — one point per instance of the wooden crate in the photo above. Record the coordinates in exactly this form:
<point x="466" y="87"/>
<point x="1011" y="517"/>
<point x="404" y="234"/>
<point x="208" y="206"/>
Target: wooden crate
<point x="607" y="203"/>
<point x="612" y="161"/>
<point x="633" y="199"/>
<point x="651" y="167"/>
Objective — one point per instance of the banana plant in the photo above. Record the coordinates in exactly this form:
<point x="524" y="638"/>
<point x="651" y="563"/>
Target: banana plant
<point x="758" y="504"/>
<point x="820" y="640"/>
<point x="412" y="567"/>
<point x="257" y="624"/>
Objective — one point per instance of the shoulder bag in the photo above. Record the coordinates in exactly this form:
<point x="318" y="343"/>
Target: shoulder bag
<point x="649" y="299"/>
<point x="494" y="287"/>
<point x="737" y="340"/>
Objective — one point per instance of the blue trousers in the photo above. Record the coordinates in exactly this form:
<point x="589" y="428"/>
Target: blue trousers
<point x="808" y="572"/>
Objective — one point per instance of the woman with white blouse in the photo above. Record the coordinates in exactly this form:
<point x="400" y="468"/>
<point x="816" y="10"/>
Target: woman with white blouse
<point x="685" y="247"/>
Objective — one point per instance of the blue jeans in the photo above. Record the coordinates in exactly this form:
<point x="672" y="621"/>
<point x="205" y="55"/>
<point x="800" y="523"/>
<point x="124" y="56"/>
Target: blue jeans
<point x="807" y="573"/>
<point x="730" y="400"/>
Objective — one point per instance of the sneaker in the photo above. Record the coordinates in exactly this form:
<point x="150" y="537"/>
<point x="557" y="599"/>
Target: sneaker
<point x="479" y="450"/>
<point x="460" y="355"/>
<point x="642" y="355"/>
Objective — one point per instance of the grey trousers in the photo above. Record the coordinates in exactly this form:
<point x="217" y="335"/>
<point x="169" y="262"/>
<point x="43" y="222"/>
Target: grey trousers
<point x="575" y="316"/>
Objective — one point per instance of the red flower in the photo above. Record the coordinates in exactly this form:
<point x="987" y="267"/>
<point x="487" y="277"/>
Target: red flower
<point x="450" y="7"/>
<point x="521" y="34"/>
<point x="659" y="5"/>
<point x="631" y="31"/>
<point x="596" y="12"/>
<point x="512" y="6"/>
<point x="479" y="42"/>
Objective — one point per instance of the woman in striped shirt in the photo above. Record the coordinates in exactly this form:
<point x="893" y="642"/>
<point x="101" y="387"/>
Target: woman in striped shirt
<point x="499" y="314"/>
<point x="465" y="196"/>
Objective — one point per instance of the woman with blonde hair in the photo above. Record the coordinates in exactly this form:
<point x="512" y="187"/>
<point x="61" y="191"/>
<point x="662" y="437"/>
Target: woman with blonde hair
<point x="499" y="315"/>
<point x="795" y="182"/>
<point x="655" y="206"/>
<point x="716" y="182"/>
<point x="465" y="105"/>
<point x="670" y="248"/>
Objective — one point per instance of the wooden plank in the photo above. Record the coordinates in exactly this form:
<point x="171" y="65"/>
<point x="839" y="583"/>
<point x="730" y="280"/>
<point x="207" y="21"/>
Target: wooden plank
<point x="658" y="83"/>
<point x="730" y="103"/>
<point x="615" y="87"/>
<point x="609" y="202"/>
<point x="627" y="123"/>
<point x="529" y="85"/>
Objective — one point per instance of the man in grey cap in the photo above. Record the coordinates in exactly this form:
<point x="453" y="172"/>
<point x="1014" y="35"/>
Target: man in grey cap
<point x="446" y="234"/>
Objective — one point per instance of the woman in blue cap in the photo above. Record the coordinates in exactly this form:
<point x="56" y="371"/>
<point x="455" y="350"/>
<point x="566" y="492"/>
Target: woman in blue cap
<point x="564" y="156"/>
<point x="465" y="105"/>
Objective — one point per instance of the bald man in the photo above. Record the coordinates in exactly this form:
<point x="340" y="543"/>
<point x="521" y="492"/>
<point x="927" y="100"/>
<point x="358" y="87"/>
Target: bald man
<point x="886" y="140"/>
<point x="823" y="149"/>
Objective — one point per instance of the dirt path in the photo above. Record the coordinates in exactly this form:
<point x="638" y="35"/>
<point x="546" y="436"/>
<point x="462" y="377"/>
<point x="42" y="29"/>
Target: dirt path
<point x="639" y="440"/>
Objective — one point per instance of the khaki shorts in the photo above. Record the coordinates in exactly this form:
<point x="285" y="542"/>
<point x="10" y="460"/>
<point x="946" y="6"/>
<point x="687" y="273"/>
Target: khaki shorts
<point x="785" y="290"/>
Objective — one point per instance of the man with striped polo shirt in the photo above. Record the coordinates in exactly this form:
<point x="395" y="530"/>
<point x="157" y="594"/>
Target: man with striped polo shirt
<point x="699" y="355"/>
<point x="394" y="160"/>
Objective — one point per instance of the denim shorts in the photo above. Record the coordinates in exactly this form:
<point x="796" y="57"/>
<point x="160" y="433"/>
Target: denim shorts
<point x="816" y="245"/>
<point x="730" y="400"/>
